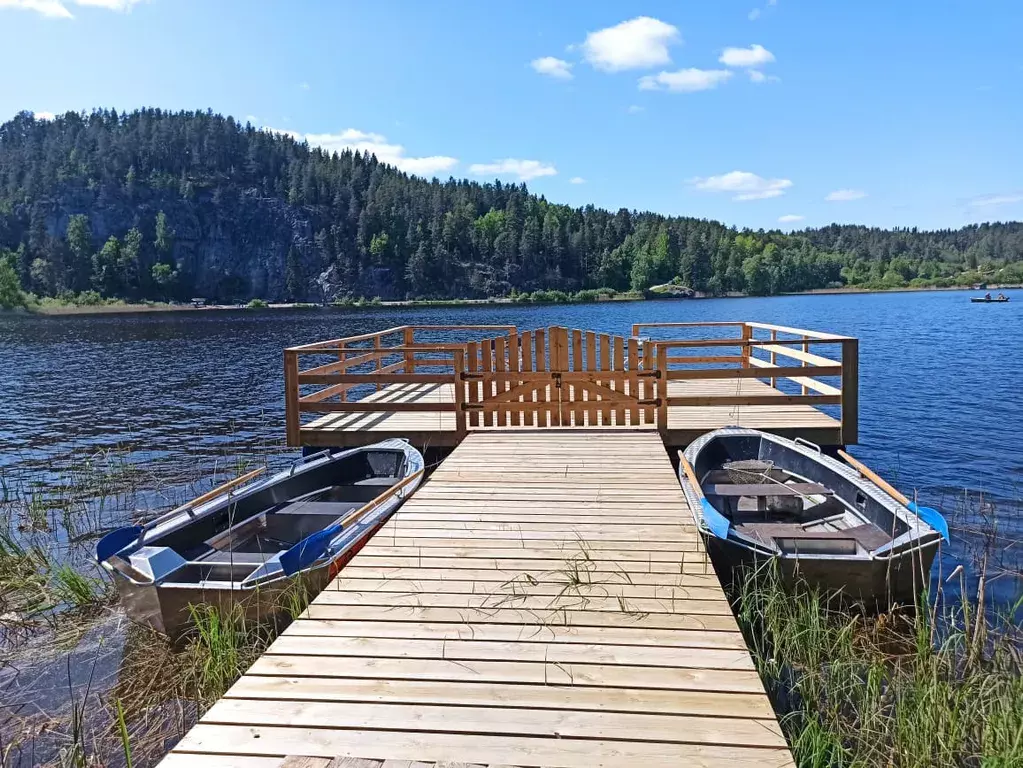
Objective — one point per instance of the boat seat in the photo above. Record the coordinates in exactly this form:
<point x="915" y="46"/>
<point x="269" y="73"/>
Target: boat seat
<point x="868" y="536"/>
<point x="379" y="482"/>
<point x="331" y="508"/>
<point x="238" y="558"/>
<point x="767" y="489"/>
<point x="723" y="476"/>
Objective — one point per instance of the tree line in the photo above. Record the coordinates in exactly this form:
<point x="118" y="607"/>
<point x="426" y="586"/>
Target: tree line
<point x="153" y="204"/>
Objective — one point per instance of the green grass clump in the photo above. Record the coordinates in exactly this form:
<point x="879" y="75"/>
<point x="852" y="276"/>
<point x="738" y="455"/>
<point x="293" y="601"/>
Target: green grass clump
<point x="257" y="304"/>
<point x="933" y="688"/>
<point x="223" y="643"/>
<point x="76" y="590"/>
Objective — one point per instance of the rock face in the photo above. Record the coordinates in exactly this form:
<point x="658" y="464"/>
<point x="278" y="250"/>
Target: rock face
<point x="228" y="246"/>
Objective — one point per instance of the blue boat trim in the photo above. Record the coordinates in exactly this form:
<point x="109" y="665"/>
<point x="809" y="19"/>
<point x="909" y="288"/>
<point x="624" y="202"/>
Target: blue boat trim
<point x="716" y="522"/>
<point x="309" y="550"/>
<point x="932" y="517"/>
<point x="115" y="541"/>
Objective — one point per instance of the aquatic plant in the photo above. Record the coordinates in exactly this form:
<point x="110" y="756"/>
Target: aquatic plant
<point x="936" y="686"/>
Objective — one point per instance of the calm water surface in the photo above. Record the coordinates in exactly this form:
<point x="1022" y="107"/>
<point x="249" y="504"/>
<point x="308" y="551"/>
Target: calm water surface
<point x="941" y="392"/>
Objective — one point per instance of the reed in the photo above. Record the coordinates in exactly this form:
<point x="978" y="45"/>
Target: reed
<point x="938" y="686"/>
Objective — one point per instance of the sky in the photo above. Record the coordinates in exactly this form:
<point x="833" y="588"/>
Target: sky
<point x="757" y="113"/>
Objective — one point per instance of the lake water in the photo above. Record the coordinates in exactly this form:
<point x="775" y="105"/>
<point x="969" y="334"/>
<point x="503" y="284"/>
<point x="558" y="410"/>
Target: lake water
<point x="941" y="392"/>
<point x="157" y="400"/>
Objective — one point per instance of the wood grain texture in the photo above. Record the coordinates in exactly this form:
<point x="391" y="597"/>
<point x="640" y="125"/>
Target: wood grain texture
<point x="561" y="614"/>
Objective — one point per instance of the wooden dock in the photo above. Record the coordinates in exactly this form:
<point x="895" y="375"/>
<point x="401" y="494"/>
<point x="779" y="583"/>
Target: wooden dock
<point x="689" y="379"/>
<point x="543" y="600"/>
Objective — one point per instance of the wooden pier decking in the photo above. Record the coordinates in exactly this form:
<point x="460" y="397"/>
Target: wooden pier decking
<point x="434" y="392"/>
<point x="543" y="600"/>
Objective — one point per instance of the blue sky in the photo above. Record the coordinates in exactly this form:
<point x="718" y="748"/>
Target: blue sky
<point x="752" y="112"/>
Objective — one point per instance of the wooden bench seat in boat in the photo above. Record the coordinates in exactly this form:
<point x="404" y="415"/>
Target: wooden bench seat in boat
<point x="767" y="489"/>
<point x="869" y="537"/>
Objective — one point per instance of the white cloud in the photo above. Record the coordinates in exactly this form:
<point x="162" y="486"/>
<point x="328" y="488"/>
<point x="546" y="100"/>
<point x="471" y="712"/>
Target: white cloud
<point x="756" y="76"/>
<point x="754" y="56"/>
<point x="252" y="119"/>
<point x="44" y="115"/>
<point x="790" y="218"/>
<point x="754" y="14"/>
<point x="743" y="185"/>
<point x="685" y="80"/>
<point x="57" y="9"/>
<point x="304" y="86"/>
<point x="998" y="199"/>
<point x="577" y="180"/>
<point x="845" y="195"/>
<point x="772" y="3"/>
<point x="636" y="44"/>
<point x="375" y="144"/>
<point x="634" y="109"/>
<point x="552" y="67"/>
<point x="53" y="9"/>
<point x="524" y="170"/>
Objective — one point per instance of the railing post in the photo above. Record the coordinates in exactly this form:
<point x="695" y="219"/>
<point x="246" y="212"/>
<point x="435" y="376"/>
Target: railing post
<point x="850" y="391"/>
<point x="774" y="359"/>
<point x="747" y="335"/>
<point x="460" y="412"/>
<point x="292" y="417"/>
<point x="379" y="360"/>
<point x="662" y="387"/>
<point x="410" y="356"/>
<point x="803" y="363"/>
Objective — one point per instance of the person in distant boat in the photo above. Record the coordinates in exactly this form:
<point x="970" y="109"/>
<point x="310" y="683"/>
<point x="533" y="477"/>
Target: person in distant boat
<point x="1001" y="297"/>
<point x="987" y="296"/>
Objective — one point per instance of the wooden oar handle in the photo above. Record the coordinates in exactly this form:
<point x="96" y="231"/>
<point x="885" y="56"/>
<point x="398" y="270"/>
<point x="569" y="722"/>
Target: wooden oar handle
<point x="873" y="477"/>
<point x="690" y="473"/>
<point x="379" y="499"/>
<point x="219" y="490"/>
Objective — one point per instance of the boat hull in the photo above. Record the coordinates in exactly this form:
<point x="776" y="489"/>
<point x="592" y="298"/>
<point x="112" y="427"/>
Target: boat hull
<point x="875" y="584"/>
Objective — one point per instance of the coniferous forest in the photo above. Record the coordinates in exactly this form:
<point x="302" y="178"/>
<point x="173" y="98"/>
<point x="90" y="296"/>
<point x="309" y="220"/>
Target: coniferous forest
<point x="165" y="205"/>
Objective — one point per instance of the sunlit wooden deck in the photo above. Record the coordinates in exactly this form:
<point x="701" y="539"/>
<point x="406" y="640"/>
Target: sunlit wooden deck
<point x="692" y="378"/>
<point x="685" y="423"/>
<point x="543" y="600"/>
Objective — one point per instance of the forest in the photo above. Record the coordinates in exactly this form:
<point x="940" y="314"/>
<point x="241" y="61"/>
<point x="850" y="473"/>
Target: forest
<point x="160" y="205"/>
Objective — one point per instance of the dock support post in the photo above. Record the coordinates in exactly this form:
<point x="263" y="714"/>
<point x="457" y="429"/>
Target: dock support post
<point x="662" y="388"/>
<point x="850" y="391"/>
<point x="460" y="412"/>
<point x="747" y="336"/>
<point x="410" y="356"/>
<point x="292" y="418"/>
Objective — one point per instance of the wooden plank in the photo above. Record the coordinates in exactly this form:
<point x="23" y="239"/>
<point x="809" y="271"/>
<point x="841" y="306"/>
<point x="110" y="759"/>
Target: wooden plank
<point x="501" y="366"/>
<point x="475" y="394"/>
<point x="578" y="411"/>
<point x="487" y="366"/>
<point x="850" y="391"/>
<point x="565" y="724"/>
<point x="540" y="634"/>
<point x="606" y="366"/>
<point x="633" y="364"/>
<point x="567" y="753"/>
<point x="526" y="366"/>
<point x="580" y="699"/>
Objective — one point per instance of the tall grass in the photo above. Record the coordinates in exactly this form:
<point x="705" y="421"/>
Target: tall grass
<point x="930" y="688"/>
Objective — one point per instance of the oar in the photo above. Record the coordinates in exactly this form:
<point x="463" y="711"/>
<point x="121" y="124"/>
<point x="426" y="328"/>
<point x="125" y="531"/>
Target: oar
<point x="216" y="491"/>
<point x="718" y="524"/>
<point x="117" y="540"/>
<point x="929" y="515"/>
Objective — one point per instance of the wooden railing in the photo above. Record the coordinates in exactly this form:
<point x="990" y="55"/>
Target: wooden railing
<point x="775" y="353"/>
<point x="365" y="364"/>
<point x="565" y="377"/>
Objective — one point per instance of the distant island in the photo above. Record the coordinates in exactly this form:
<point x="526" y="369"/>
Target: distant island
<point x="165" y="206"/>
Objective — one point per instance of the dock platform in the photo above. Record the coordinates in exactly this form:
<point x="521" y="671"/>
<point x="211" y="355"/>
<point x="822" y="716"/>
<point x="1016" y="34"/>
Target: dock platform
<point x="544" y="599"/>
<point x="433" y="385"/>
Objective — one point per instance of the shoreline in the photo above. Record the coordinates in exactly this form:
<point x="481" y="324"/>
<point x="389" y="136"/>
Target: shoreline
<point x="119" y="309"/>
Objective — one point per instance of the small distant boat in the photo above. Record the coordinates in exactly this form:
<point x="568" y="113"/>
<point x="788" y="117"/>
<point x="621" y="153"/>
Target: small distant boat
<point x="1000" y="299"/>
<point x="757" y="495"/>
<point x="249" y="541"/>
